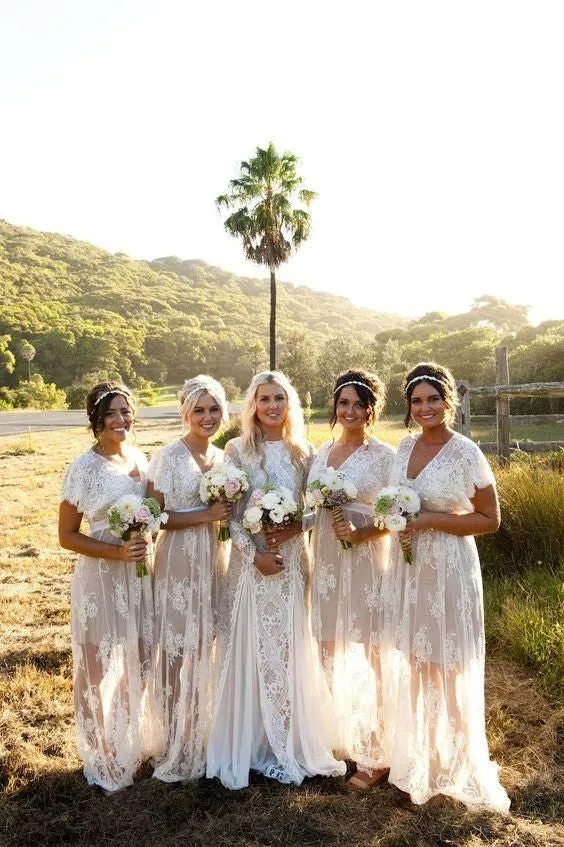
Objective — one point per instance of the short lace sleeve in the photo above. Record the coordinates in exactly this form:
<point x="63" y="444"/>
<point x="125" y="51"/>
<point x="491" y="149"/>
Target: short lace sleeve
<point x="75" y="483"/>
<point x="159" y="472"/>
<point x="480" y="469"/>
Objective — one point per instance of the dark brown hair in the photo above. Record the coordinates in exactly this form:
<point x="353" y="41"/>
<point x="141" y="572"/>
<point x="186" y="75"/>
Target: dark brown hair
<point x="441" y="379"/>
<point x="99" y="399"/>
<point x="370" y="389"/>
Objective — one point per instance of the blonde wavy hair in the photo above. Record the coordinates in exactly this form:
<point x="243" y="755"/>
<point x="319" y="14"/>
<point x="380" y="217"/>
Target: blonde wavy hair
<point x="293" y="431"/>
<point x="192" y="390"/>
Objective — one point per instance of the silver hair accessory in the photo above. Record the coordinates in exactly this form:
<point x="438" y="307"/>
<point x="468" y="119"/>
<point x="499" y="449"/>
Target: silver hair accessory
<point x="354" y="382"/>
<point x="425" y="378"/>
<point x="121" y="391"/>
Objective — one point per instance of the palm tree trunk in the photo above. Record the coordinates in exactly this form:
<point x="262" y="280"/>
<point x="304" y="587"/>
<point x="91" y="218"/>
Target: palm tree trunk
<point x="272" y="319"/>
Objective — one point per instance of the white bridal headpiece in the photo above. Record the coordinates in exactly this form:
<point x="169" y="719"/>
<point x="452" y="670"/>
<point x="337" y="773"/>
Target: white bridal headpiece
<point x="123" y="391"/>
<point x="424" y="378"/>
<point x="353" y="382"/>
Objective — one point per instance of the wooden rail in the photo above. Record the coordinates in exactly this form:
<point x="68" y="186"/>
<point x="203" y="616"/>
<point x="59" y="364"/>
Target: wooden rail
<point x="503" y="391"/>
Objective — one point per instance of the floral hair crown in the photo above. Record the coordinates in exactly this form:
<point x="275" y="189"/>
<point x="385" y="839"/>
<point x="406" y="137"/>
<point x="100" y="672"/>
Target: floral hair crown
<point x="354" y="382"/>
<point x="425" y="378"/>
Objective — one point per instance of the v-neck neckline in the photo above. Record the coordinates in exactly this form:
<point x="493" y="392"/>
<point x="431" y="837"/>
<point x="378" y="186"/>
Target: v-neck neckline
<point x="195" y="460"/>
<point x="346" y="460"/>
<point x="430" y="462"/>
<point x="116" y="467"/>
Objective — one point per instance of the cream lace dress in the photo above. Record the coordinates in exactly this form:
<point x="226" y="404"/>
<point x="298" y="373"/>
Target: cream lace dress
<point x="347" y="607"/>
<point x="112" y="632"/>
<point x="189" y="566"/>
<point x="272" y="706"/>
<point x="435" y="629"/>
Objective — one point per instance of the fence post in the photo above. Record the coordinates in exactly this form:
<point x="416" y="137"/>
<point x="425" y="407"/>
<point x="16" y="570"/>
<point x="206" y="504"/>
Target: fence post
<point x="462" y="423"/>
<point x="502" y="403"/>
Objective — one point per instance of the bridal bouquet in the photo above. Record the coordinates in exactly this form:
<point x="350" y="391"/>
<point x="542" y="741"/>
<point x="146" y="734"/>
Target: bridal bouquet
<point x="132" y="516"/>
<point x="394" y="507"/>
<point x="332" y="490"/>
<point x="223" y="482"/>
<point x="271" y="506"/>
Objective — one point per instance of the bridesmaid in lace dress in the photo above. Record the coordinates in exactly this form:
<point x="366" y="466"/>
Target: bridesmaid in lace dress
<point x="189" y="564"/>
<point x="272" y="703"/>
<point x="436" y="620"/>
<point x="111" y="607"/>
<point x="346" y="584"/>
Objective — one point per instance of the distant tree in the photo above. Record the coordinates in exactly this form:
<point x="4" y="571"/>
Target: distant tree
<point x="299" y="363"/>
<point x="27" y="351"/>
<point x="7" y="358"/>
<point x="264" y="217"/>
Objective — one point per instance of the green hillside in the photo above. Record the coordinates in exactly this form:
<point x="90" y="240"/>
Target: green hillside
<point x="85" y="310"/>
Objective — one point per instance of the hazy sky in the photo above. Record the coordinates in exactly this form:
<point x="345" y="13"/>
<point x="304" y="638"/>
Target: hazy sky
<point x="432" y="131"/>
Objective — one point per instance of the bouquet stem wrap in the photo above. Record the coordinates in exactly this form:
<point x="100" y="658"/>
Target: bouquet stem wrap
<point x="142" y="565"/>
<point x="337" y="515"/>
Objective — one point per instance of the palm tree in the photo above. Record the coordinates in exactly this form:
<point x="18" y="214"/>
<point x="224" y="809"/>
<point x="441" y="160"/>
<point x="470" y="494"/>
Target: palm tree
<point x="263" y="216"/>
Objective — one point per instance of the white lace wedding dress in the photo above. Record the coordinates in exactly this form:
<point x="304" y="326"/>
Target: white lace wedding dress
<point x="111" y="630"/>
<point x="347" y="605"/>
<point x="272" y="706"/>
<point x="189" y="567"/>
<point x="435" y="628"/>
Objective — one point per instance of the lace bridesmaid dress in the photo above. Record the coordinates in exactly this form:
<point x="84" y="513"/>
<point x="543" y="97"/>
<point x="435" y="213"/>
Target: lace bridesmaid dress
<point x="347" y="605"/>
<point x="435" y="627"/>
<point x="272" y="705"/>
<point x="189" y="567"/>
<point x="112" y="632"/>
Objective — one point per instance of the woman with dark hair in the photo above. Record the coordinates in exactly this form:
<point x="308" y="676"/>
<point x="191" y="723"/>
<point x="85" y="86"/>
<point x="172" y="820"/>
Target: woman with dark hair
<point x="111" y="607"/>
<point x="434" y="607"/>
<point x="346" y="583"/>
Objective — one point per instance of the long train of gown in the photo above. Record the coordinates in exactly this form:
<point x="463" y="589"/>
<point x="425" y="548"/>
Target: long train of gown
<point x="189" y="566"/>
<point x="346" y="608"/>
<point x="272" y="706"/>
<point x="434" y="629"/>
<point x="111" y="632"/>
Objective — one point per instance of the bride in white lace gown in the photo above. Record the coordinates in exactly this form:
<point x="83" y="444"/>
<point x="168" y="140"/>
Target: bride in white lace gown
<point x="189" y="566"/>
<point x="272" y="706"/>
<point x="346" y="583"/>
<point x="435" y="624"/>
<point x="111" y="607"/>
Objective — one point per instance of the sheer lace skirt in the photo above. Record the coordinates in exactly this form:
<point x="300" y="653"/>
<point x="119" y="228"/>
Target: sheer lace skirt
<point x="112" y="636"/>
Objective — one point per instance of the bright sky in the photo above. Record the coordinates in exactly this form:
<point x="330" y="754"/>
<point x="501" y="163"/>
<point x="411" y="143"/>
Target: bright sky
<point x="432" y="131"/>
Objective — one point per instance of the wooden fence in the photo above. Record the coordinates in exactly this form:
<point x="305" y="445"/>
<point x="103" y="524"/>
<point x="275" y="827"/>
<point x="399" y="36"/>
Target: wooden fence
<point x="503" y="391"/>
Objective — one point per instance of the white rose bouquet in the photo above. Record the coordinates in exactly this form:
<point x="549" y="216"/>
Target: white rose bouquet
<point x="332" y="490"/>
<point x="393" y="508"/>
<point x="271" y="506"/>
<point x="223" y="482"/>
<point x="132" y="515"/>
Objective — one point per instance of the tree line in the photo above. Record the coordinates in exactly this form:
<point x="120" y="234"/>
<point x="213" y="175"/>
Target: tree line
<point x="71" y="313"/>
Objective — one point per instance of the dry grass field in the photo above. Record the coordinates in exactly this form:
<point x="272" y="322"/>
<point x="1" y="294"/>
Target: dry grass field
<point x="45" y="800"/>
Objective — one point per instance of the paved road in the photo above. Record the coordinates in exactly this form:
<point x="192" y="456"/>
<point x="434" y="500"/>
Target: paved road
<point x="18" y="423"/>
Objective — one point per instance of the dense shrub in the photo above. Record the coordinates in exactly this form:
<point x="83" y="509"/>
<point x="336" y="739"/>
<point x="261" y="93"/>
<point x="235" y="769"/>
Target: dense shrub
<point x="37" y="394"/>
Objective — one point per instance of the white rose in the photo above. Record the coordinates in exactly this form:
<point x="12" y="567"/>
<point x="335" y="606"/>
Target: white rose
<point x="270" y="500"/>
<point x="409" y="500"/>
<point x="218" y="479"/>
<point x="395" y="523"/>
<point x="350" y="489"/>
<point x="253" y="515"/>
<point x="277" y="514"/>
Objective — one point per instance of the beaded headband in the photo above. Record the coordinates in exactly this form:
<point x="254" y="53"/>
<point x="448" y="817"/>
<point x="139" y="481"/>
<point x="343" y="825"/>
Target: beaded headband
<point x="123" y="391"/>
<point x="425" y="378"/>
<point x="354" y="382"/>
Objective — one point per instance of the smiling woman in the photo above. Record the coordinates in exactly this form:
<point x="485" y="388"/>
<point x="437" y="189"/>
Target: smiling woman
<point x="111" y="607"/>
